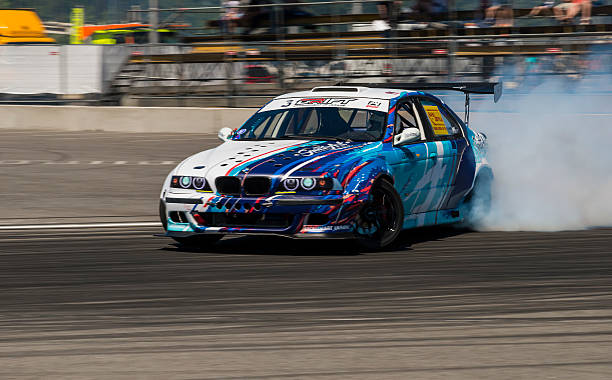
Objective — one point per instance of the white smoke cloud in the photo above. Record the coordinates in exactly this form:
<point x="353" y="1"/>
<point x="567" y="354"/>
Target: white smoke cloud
<point x="552" y="160"/>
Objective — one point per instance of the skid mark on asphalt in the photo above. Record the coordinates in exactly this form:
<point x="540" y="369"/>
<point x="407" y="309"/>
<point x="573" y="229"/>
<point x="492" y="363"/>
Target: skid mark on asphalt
<point x="85" y="162"/>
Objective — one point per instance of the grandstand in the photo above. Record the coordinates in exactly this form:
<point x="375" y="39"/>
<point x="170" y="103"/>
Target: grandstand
<point x="298" y="52"/>
<point x="280" y="51"/>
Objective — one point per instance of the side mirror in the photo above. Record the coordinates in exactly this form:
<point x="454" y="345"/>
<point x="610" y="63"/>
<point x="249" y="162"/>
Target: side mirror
<point x="406" y="136"/>
<point x="225" y="133"/>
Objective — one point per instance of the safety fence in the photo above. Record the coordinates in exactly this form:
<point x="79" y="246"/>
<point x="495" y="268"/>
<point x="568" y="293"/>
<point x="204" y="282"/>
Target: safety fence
<point x="247" y="75"/>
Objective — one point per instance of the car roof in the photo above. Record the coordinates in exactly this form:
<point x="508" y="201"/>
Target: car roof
<point x="353" y="91"/>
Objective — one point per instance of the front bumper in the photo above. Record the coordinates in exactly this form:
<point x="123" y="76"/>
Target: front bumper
<point x="327" y="216"/>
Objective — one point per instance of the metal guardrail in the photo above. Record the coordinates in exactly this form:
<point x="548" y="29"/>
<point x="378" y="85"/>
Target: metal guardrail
<point x="221" y="77"/>
<point x="56" y="27"/>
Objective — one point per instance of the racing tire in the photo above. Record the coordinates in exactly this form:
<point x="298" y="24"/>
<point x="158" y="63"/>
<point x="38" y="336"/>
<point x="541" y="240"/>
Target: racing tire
<point x="381" y="219"/>
<point x="477" y="204"/>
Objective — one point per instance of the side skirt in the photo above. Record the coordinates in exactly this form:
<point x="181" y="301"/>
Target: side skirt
<point x="432" y="218"/>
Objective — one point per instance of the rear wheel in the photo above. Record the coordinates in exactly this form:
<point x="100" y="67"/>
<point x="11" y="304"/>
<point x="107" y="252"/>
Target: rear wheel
<point x="477" y="204"/>
<point x="381" y="218"/>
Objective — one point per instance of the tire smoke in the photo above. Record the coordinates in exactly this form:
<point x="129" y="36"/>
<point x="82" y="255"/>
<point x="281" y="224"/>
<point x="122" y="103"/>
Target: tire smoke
<point x="552" y="160"/>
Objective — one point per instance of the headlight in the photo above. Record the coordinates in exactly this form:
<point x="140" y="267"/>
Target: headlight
<point x="308" y="183"/>
<point x="291" y="184"/>
<point x="187" y="182"/>
<point x="199" y="183"/>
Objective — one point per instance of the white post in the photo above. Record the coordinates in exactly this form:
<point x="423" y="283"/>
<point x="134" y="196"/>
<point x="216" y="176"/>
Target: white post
<point x="153" y="21"/>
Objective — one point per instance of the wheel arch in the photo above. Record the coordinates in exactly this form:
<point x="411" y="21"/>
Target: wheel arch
<point x="484" y="171"/>
<point x="385" y="177"/>
<point x="367" y="174"/>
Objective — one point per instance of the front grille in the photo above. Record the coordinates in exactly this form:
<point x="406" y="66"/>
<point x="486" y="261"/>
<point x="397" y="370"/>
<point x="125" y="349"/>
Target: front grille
<point x="317" y="219"/>
<point x="256" y="185"/>
<point x="253" y="220"/>
<point x="228" y="185"/>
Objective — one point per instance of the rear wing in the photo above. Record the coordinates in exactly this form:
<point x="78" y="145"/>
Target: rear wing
<point x="467" y="88"/>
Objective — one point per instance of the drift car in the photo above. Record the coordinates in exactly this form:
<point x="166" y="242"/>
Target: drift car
<point x="334" y="162"/>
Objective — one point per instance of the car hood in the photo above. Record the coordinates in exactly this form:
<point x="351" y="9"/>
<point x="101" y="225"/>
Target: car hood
<point x="275" y="158"/>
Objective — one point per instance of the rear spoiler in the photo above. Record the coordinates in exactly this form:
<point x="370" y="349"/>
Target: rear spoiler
<point x="467" y="88"/>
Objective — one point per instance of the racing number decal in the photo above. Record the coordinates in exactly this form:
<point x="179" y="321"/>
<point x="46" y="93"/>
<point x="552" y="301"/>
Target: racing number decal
<point x="436" y="120"/>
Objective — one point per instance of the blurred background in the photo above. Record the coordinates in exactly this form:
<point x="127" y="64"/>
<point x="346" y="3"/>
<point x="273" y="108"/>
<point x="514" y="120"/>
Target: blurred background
<point x="88" y="292"/>
<point x="234" y="53"/>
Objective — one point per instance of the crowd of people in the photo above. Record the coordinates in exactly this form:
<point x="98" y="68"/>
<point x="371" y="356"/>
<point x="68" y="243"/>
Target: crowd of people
<point x="497" y="13"/>
<point x="565" y="11"/>
<point x="500" y="13"/>
<point x="262" y="12"/>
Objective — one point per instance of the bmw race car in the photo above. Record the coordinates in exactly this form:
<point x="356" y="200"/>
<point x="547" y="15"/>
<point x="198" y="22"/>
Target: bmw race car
<point x="334" y="162"/>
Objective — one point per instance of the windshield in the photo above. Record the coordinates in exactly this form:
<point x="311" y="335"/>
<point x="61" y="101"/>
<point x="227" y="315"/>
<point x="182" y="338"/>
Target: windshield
<point x="320" y="123"/>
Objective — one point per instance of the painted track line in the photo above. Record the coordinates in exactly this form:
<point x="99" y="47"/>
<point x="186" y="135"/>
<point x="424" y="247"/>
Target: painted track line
<point x="87" y="225"/>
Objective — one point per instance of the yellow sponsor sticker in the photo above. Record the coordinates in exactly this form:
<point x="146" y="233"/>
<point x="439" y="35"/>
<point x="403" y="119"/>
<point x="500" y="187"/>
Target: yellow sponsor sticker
<point x="436" y="120"/>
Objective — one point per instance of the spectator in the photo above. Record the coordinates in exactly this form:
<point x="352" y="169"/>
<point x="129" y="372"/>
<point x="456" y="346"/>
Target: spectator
<point x="483" y="5"/>
<point x="566" y="11"/>
<point x="389" y="13"/>
<point x="586" y="7"/>
<point x="231" y="16"/>
<point x="255" y="17"/>
<point x="544" y="9"/>
<point x="500" y="13"/>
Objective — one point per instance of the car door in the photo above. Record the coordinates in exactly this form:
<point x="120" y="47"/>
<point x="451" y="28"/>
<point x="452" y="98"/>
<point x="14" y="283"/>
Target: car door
<point x="465" y="164"/>
<point x="415" y="172"/>
<point x="441" y="133"/>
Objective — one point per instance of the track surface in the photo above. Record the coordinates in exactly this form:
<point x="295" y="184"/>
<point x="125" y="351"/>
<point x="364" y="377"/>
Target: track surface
<point x="122" y="304"/>
<point x="88" y="176"/>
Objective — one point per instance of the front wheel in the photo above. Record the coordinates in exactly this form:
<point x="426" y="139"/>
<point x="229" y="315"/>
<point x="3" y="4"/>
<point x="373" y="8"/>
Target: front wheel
<point x="380" y="220"/>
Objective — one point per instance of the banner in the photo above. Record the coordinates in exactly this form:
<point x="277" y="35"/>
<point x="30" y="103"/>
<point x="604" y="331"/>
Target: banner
<point x="57" y="69"/>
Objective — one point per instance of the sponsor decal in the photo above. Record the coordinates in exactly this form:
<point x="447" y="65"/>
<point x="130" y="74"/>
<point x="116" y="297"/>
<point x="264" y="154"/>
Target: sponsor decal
<point x="310" y="151"/>
<point x="323" y="102"/>
<point x="327" y="228"/>
<point x="357" y="103"/>
<point x="437" y="122"/>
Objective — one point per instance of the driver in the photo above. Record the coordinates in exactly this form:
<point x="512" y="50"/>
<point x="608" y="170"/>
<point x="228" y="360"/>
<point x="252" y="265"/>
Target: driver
<point x="331" y="123"/>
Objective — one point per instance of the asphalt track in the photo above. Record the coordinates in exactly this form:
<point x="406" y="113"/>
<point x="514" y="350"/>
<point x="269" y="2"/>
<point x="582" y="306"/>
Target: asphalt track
<point x="119" y="303"/>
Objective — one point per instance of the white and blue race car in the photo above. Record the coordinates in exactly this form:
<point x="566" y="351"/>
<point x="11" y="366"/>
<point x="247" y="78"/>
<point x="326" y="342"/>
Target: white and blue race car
<point x="334" y="162"/>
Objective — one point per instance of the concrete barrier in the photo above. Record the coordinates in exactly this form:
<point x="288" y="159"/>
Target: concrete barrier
<point x="176" y="119"/>
<point x="123" y="119"/>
